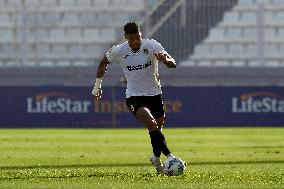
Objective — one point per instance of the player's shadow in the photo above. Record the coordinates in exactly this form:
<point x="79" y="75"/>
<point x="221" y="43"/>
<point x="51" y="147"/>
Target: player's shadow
<point x="237" y="162"/>
<point x="134" y="165"/>
<point x="75" y="166"/>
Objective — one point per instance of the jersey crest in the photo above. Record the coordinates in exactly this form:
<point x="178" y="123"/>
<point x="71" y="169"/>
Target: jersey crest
<point x="146" y="51"/>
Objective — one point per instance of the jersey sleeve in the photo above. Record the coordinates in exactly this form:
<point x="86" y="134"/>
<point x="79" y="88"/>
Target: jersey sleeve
<point x="156" y="46"/>
<point x="113" y="54"/>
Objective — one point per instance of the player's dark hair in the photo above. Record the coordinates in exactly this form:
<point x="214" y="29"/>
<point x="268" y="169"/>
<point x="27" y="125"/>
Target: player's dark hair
<point x="131" y="27"/>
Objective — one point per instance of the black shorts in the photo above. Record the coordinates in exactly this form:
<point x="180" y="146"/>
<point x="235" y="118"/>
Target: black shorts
<point x="153" y="103"/>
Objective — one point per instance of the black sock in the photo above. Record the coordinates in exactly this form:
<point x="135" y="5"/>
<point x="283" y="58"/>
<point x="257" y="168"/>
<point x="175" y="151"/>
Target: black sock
<point x="155" y="141"/>
<point x="159" y="143"/>
<point x="164" y="146"/>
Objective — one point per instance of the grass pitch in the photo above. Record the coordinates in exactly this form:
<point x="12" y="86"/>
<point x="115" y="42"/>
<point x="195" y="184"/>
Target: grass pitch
<point x="119" y="158"/>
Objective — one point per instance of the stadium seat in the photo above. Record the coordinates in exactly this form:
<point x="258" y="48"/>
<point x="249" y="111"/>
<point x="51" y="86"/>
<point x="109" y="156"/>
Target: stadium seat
<point x="279" y="17"/>
<point x="231" y="17"/>
<point x="58" y="50"/>
<point x="272" y="63"/>
<point x="104" y="19"/>
<point x="84" y="4"/>
<point x="234" y="42"/>
<point x="218" y="50"/>
<point x="265" y="2"/>
<point x="245" y="2"/>
<point x="31" y="63"/>
<point x="49" y="19"/>
<point x="87" y="19"/>
<point x="139" y="3"/>
<point x="94" y="50"/>
<point x="277" y="2"/>
<point x="2" y="63"/>
<point x="33" y="19"/>
<point x="248" y="17"/>
<point x="222" y="63"/>
<point x="254" y="2"/>
<point x="188" y="63"/>
<point x="238" y="63"/>
<point x="7" y="35"/>
<point x="274" y="18"/>
<point x="49" y="3"/>
<point x="45" y="19"/>
<point x="249" y="34"/>
<point x="102" y="3"/>
<point x="63" y="63"/>
<point x="57" y="35"/>
<point x="73" y="34"/>
<point x="80" y="63"/>
<point x="120" y="18"/>
<point x="5" y="20"/>
<point x="233" y="33"/>
<point x="119" y="4"/>
<point x="46" y="63"/>
<point x="67" y="3"/>
<point x="43" y="49"/>
<point x="32" y="3"/>
<point x="54" y="26"/>
<point x="108" y="34"/>
<point x="2" y="3"/>
<point x="216" y="34"/>
<point x="9" y="51"/>
<point x="75" y="51"/>
<point x="91" y="34"/>
<point x="201" y="50"/>
<point x="42" y="34"/>
<point x="205" y="63"/>
<point x="251" y="50"/>
<point x="14" y="3"/>
<point x="253" y="63"/>
<point x="70" y="19"/>
<point x="270" y="34"/>
<point x="236" y="50"/>
<point x="272" y="51"/>
<point x="13" y="63"/>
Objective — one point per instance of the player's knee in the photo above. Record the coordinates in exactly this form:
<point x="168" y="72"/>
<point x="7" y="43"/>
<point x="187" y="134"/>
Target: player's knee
<point x="160" y="122"/>
<point x="145" y="116"/>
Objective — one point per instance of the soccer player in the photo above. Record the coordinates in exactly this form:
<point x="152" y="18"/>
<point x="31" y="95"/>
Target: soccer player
<point x="139" y="60"/>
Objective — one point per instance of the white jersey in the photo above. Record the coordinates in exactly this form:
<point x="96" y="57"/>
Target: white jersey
<point x="140" y="68"/>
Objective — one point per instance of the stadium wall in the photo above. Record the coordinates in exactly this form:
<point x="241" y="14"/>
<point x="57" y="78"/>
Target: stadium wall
<point x="181" y="76"/>
<point x="61" y="106"/>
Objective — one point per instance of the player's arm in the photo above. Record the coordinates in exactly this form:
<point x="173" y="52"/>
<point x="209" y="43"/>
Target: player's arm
<point x="97" y="91"/>
<point x="166" y="59"/>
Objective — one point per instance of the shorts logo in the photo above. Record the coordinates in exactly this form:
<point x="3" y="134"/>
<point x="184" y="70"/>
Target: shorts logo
<point x="132" y="108"/>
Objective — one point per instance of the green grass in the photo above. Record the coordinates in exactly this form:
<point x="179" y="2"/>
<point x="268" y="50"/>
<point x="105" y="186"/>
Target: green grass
<point x="119" y="158"/>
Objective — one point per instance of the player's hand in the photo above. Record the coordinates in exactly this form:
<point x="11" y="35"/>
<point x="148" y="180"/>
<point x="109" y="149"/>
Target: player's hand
<point x="97" y="93"/>
<point x="161" y="56"/>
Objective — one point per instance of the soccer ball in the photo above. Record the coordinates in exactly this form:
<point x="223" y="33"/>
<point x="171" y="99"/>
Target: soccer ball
<point x="174" y="166"/>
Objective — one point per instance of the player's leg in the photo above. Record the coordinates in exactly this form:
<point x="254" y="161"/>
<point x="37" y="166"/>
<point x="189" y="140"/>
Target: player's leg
<point x="144" y="115"/>
<point x="137" y="105"/>
<point x="157" y="138"/>
<point x="160" y="122"/>
<point x="157" y="110"/>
